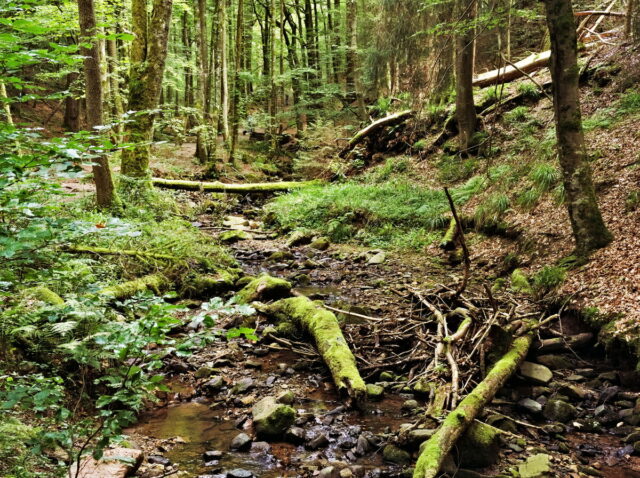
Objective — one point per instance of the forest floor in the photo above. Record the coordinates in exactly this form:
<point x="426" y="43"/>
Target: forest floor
<point x="594" y="433"/>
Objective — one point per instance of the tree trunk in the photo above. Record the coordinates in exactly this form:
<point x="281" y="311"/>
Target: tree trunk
<point x="465" y="108"/>
<point x="352" y="57"/>
<point x="589" y="230"/>
<point x="148" y="56"/>
<point x="235" y="107"/>
<point x="217" y="187"/>
<point x="105" y="196"/>
<point x="224" y="72"/>
<point x="72" y="115"/>
<point x="203" y="149"/>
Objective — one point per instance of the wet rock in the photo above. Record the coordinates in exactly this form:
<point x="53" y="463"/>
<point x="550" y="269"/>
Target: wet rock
<point x="536" y="466"/>
<point x="159" y="460"/>
<point x="296" y="435"/>
<point x="178" y="366"/>
<point x="213" y="455"/>
<point x="536" y="373"/>
<point x="555" y="362"/>
<point x="418" y="436"/>
<point x="574" y="391"/>
<point x="559" y="411"/>
<point x="155" y="471"/>
<point x="319" y="441"/>
<point x="287" y="397"/>
<point x="347" y="443"/>
<point x="362" y="445"/>
<point x="241" y="442"/>
<point x="320" y="244"/>
<point x="609" y="376"/>
<point x="410" y="405"/>
<point x="299" y="238"/>
<point x="378" y="258"/>
<point x="270" y="380"/>
<point x="204" y="372"/>
<point x="393" y="454"/>
<point x="239" y="473"/>
<point x="272" y="419"/>
<point x="346" y="473"/>
<point x="242" y="386"/>
<point x="260" y="448"/>
<point x="374" y="392"/>
<point x="530" y="406"/>
<point x="632" y="437"/>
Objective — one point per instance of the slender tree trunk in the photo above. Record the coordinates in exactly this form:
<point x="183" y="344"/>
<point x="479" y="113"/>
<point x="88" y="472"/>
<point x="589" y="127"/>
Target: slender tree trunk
<point x="294" y="63"/>
<point x="148" y="57"/>
<point x="273" y="96"/>
<point x="224" y="72"/>
<point x="203" y="152"/>
<point x="235" y="110"/>
<point x="105" y="195"/>
<point x="465" y="108"/>
<point x="72" y="115"/>
<point x="6" y="106"/>
<point x="589" y="230"/>
<point x="352" y="82"/>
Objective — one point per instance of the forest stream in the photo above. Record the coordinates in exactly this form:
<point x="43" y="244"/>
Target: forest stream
<point x="199" y="426"/>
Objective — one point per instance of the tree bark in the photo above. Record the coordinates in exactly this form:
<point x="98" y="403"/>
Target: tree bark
<point x="465" y="108"/>
<point x="224" y="72"/>
<point x="235" y="106"/>
<point x="105" y="195"/>
<point x="589" y="230"/>
<point x="148" y="57"/>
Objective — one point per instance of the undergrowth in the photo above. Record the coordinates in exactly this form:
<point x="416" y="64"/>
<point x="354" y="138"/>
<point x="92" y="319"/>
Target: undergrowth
<point x="396" y="213"/>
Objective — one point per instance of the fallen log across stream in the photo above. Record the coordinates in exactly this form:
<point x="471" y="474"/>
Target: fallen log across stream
<point x="322" y="325"/>
<point x="218" y="187"/>
<point x="374" y="127"/>
<point x="443" y="440"/>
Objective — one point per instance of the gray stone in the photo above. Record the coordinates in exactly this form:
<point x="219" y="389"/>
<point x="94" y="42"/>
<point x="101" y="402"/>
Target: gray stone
<point x="530" y="406"/>
<point x="213" y="454"/>
<point x="243" y="386"/>
<point x="158" y="460"/>
<point x="320" y="244"/>
<point x="378" y="258"/>
<point x="536" y="466"/>
<point x="213" y="385"/>
<point x="296" y="435"/>
<point x="410" y="405"/>
<point x="555" y="362"/>
<point x="241" y="442"/>
<point x="319" y="441"/>
<point x="260" y="448"/>
<point x="329" y="472"/>
<point x="536" y="373"/>
<point x="362" y="446"/>
<point x="559" y="411"/>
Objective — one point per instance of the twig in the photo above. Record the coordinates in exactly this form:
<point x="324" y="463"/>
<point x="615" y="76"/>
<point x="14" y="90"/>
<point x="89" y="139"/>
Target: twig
<point x="463" y="243"/>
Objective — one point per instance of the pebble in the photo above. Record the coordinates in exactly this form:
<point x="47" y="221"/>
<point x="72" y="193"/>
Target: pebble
<point x="530" y="405"/>
<point x="239" y="473"/>
<point x="318" y="442"/>
<point x="159" y="460"/>
<point x="212" y="455"/>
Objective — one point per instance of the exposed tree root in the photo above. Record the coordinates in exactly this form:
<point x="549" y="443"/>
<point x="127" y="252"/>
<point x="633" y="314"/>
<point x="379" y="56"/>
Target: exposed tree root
<point x="154" y="282"/>
<point x="323" y="326"/>
<point x="100" y="251"/>
<point x="217" y="187"/>
<point x="440" y="444"/>
<point x="374" y="127"/>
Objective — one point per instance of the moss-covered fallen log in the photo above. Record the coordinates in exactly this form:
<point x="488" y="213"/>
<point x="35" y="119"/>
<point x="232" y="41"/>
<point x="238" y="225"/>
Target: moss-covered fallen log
<point x="440" y="444"/>
<point x="374" y="127"/>
<point x="323" y="326"/>
<point x="218" y="187"/>
<point x="155" y="282"/>
<point x="104" y="251"/>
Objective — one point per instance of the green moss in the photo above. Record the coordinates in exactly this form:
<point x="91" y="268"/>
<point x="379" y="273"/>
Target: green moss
<point x="520" y="283"/>
<point x="323" y="326"/>
<point x="155" y="283"/>
<point x="44" y="294"/>
<point x="271" y="419"/>
<point x="263" y="288"/>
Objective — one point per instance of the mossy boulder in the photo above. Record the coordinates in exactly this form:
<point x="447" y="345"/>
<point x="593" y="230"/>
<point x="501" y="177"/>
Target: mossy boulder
<point x="281" y="256"/>
<point x="479" y="447"/>
<point x="520" y="283"/>
<point x="320" y="244"/>
<point x="43" y="294"/>
<point x="374" y="392"/>
<point x="559" y="411"/>
<point x="393" y="454"/>
<point x="231" y="237"/>
<point x="299" y="238"/>
<point x="272" y="419"/>
<point x="209" y="285"/>
<point x="423" y="387"/>
<point x="264" y="288"/>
